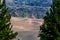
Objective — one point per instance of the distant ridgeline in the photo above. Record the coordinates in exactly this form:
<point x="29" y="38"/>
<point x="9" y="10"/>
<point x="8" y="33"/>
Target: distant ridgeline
<point x="28" y="8"/>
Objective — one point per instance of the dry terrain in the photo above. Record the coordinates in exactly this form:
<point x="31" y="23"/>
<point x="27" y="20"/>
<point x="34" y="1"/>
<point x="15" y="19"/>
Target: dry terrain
<point x="27" y="28"/>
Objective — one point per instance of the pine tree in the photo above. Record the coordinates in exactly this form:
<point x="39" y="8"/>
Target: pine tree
<point x="50" y="30"/>
<point x="6" y="32"/>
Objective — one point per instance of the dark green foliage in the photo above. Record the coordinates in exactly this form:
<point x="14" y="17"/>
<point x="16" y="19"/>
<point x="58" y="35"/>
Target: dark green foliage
<point x="38" y="16"/>
<point x="24" y="15"/>
<point x="5" y="26"/>
<point x="50" y="30"/>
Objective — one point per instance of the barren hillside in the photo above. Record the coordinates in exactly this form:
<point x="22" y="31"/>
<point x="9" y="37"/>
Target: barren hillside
<point x="27" y="28"/>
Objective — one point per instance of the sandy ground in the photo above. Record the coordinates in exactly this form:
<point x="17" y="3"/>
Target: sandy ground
<point x="27" y="28"/>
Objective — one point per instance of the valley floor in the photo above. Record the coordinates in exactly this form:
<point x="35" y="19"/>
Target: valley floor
<point x="27" y="28"/>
